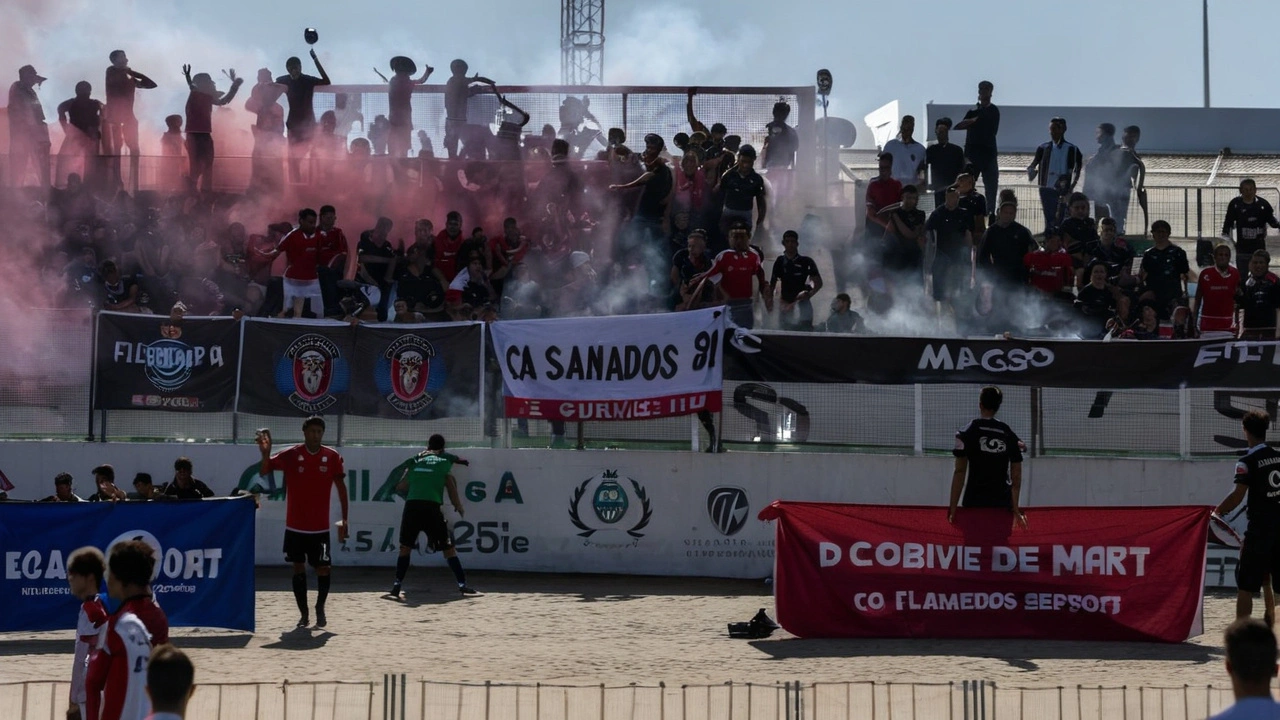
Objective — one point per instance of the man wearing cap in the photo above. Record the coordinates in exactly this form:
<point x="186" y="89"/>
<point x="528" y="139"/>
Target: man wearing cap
<point x="945" y="161"/>
<point x="733" y="270"/>
<point x="400" y="110"/>
<point x="28" y="133"/>
<point x="742" y="188"/>
<point x="120" y="126"/>
<point x="204" y="95"/>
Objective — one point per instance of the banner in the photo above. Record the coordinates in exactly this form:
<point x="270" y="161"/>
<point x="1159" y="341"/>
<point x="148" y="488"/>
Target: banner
<point x="1075" y="574"/>
<point x="416" y="371"/>
<point x="294" y="368"/>
<point x="144" y="363"/>
<point x="632" y="367"/>
<point x="816" y="358"/>
<point x="204" y="551"/>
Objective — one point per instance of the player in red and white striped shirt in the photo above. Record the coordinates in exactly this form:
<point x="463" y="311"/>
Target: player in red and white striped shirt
<point x="1214" y="305"/>
<point x="85" y="570"/>
<point x="119" y="671"/>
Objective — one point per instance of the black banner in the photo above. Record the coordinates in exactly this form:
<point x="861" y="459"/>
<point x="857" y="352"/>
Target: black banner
<point x="416" y="371"/>
<point x="295" y="368"/>
<point x="1124" y="364"/>
<point x="390" y="371"/>
<point x="145" y="363"/>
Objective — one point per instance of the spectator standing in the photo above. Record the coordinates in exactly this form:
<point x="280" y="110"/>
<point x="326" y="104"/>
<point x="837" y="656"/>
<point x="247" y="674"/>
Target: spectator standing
<point x="1003" y="248"/>
<point x="945" y="160"/>
<point x="778" y="156"/>
<point x="200" y="150"/>
<point x="686" y="266"/>
<point x="400" y="113"/>
<point x="1165" y="272"/>
<point x="1251" y="663"/>
<point x="949" y="226"/>
<point x="301" y="120"/>
<point x="1079" y="231"/>
<point x="1056" y="169"/>
<point x="982" y="123"/>
<point x="120" y="123"/>
<point x="883" y="190"/>
<point x="170" y="683"/>
<point x="1249" y="215"/>
<point x="800" y="281"/>
<point x="301" y="248"/>
<point x="1130" y="172"/>
<point x="184" y="485"/>
<point x="81" y="121"/>
<point x="1259" y="300"/>
<point x="734" y="270"/>
<point x="28" y="133"/>
<point x="448" y="244"/>
<point x="1214" y="305"/>
<point x="973" y="203"/>
<point x="1099" y="170"/>
<point x="908" y="154"/>
<point x="904" y="238"/>
<point x="743" y="188"/>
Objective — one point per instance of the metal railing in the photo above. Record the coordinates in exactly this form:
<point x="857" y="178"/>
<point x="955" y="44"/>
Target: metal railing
<point x="398" y="698"/>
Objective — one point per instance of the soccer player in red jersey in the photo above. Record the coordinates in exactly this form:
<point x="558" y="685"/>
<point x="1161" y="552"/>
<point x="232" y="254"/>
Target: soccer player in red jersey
<point x="85" y="570"/>
<point x="1214" y="305"/>
<point x="309" y="469"/>
<point x="734" y="270"/>
<point x="119" y="671"/>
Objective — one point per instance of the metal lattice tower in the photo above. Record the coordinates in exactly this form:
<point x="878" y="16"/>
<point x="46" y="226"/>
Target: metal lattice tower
<point x="582" y="42"/>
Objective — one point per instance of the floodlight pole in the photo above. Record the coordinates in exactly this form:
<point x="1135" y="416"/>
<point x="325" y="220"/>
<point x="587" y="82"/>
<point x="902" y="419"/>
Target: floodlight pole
<point x="1205" y="5"/>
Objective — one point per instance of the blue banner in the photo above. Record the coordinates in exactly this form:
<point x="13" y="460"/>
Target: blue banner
<point x="204" y="552"/>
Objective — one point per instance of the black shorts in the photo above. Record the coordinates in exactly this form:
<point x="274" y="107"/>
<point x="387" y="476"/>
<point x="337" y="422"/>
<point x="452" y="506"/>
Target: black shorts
<point x="312" y="548"/>
<point x="1259" y="556"/>
<point x="424" y="516"/>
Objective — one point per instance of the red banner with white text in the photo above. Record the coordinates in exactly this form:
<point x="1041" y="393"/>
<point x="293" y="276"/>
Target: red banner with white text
<point x="1073" y="574"/>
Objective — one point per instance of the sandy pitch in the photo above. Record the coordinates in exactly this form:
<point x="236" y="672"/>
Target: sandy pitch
<point x="613" y="629"/>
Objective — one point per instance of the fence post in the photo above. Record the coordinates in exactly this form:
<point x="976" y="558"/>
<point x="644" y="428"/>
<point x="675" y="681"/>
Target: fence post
<point x="1184" y="422"/>
<point x="919" y="420"/>
<point x="93" y="370"/>
<point x="1037" y="423"/>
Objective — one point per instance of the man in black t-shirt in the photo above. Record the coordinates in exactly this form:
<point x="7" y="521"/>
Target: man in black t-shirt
<point x="1257" y="476"/>
<point x="945" y="161"/>
<point x="990" y="453"/>
<point x="972" y="202"/>
<point x="800" y="281"/>
<point x="742" y="189"/>
<point x="1003" y="247"/>
<point x="953" y="248"/>
<point x="904" y="235"/>
<point x="1249" y="215"/>
<point x="1259" y="299"/>
<point x="642" y="242"/>
<point x="301" y="120"/>
<point x="1165" y="272"/>
<point x="982" y="124"/>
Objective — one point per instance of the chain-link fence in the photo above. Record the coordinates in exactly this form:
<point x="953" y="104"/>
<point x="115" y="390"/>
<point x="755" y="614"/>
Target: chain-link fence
<point x="397" y="698"/>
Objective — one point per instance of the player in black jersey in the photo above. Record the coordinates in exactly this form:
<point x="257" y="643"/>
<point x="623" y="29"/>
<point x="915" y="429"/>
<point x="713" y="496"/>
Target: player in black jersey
<point x="991" y="454"/>
<point x="1258" y="478"/>
<point x="1259" y="300"/>
<point x="1249" y="215"/>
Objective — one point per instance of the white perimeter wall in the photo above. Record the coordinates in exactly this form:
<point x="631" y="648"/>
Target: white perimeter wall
<point x="679" y="537"/>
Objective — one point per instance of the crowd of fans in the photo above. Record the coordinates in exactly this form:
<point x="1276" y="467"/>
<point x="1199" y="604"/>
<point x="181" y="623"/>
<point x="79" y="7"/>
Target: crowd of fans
<point x="573" y="221"/>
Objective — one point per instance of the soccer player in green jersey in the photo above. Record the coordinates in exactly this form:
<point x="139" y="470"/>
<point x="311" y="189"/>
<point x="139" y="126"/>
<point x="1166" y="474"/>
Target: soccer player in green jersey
<point x="426" y="480"/>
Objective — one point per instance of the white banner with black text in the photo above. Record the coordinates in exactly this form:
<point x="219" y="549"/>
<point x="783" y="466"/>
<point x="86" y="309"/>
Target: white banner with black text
<point x="633" y="367"/>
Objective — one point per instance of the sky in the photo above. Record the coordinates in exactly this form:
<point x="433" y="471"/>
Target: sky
<point x="1103" y="52"/>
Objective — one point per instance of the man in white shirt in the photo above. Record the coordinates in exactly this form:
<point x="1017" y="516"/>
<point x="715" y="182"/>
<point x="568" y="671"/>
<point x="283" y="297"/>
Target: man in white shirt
<point x="908" y="154"/>
<point x="170" y="683"/>
<point x="1251" y="663"/>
